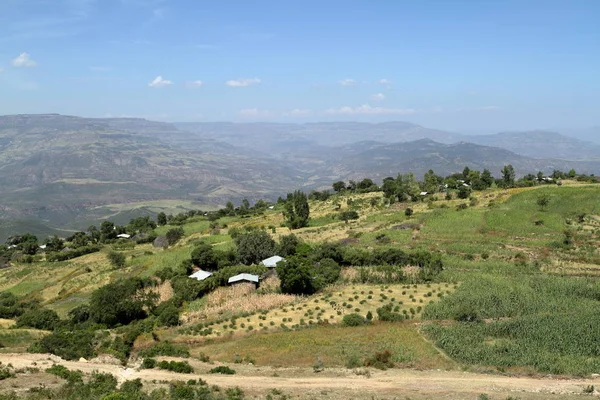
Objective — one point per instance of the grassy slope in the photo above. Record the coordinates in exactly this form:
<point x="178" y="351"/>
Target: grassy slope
<point x="499" y="241"/>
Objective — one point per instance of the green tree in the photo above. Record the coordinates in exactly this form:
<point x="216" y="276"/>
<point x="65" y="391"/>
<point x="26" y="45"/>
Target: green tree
<point x="161" y="218"/>
<point x="543" y="200"/>
<point x="339" y="186"/>
<point x="54" y="243"/>
<point x="464" y="191"/>
<point x="572" y="174"/>
<point x="174" y="234"/>
<point x="253" y="247"/>
<point x="116" y="259"/>
<point x="108" y="231"/>
<point x="296" y="276"/>
<point x="508" y="176"/>
<point x="121" y="302"/>
<point x="430" y="182"/>
<point x="389" y="187"/>
<point x="287" y="245"/>
<point x="487" y="178"/>
<point x="203" y="256"/>
<point x="297" y="211"/>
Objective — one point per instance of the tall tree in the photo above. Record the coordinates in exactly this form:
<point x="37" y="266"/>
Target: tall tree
<point x="508" y="176"/>
<point x="297" y="211"/>
<point x="339" y="186"/>
<point x="161" y="218"/>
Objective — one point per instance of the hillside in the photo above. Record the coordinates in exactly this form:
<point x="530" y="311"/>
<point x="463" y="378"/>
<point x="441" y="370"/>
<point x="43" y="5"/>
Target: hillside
<point x="514" y="278"/>
<point x="54" y="168"/>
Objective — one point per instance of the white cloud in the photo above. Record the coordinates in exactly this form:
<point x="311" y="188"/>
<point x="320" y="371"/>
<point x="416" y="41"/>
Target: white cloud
<point x="243" y="82"/>
<point x="347" y="82"/>
<point x="23" y="60"/>
<point x="378" y="97"/>
<point x="159" y="82"/>
<point x="385" y="82"/>
<point x="366" y="109"/>
<point x="255" y="113"/>
<point x="194" y="84"/>
<point x="297" y="112"/>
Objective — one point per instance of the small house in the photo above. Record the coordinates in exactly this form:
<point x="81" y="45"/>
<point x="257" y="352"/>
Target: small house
<point x="200" y="275"/>
<point x="43" y="247"/>
<point x="423" y="193"/>
<point x="271" y="262"/>
<point x="243" y="278"/>
<point x="123" y="236"/>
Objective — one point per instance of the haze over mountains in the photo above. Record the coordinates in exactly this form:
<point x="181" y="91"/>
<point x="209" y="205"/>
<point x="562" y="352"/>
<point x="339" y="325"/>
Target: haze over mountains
<point x="63" y="170"/>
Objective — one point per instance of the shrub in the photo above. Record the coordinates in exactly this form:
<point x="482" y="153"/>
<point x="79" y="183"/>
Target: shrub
<point x="182" y="367"/>
<point x="408" y="212"/>
<point x="353" y="320"/>
<point x="165" y="348"/>
<point x="173" y="235"/>
<point x="380" y="360"/>
<point x="39" y="319"/>
<point x="148" y="363"/>
<point x="117" y="260"/>
<point x="222" y="369"/>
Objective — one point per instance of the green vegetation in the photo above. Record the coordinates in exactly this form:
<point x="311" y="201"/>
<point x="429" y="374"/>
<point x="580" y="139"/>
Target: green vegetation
<point x="503" y="279"/>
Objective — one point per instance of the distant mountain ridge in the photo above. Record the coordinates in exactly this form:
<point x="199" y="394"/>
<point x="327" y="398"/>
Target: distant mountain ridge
<point x="62" y="170"/>
<point x="541" y="144"/>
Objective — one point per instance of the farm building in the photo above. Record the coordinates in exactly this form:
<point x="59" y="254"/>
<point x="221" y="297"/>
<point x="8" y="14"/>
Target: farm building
<point x="241" y="278"/>
<point x="200" y="275"/>
<point x="271" y="262"/>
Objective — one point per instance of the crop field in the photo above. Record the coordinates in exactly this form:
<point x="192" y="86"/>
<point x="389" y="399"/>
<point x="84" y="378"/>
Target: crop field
<point x="548" y="323"/>
<point x="238" y="316"/>
<point x="333" y="345"/>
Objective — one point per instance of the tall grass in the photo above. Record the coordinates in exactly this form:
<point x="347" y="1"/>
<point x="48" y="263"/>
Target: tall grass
<point x="549" y="323"/>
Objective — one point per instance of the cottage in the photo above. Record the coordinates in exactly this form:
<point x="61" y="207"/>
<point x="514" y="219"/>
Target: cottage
<point x="423" y="193"/>
<point x="43" y="247"/>
<point x="241" y="278"/>
<point x="271" y="207"/>
<point x="123" y="236"/>
<point x="271" y="262"/>
<point x="200" y="275"/>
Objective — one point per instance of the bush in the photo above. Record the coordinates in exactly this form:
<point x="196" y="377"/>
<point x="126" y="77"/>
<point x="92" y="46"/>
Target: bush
<point x="348" y="215"/>
<point x="173" y="235"/>
<point x="148" y="363"/>
<point x="117" y="260"/>
<point x="222" y="369"/>
<point x="169" y="316"/>
<point x="165" y="348"/>
<point x="64" y="373"/>
<point x="353" y="320"/>
<point x="78" y="252"/>
<point x="380" y="360"/>
<point x="182" y="367"/>
<point x="39" y="319"/>
<point x="70" y="345"/>
<point x="408" y="212"/>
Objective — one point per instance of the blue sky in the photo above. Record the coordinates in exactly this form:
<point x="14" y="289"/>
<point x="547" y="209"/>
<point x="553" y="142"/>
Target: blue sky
<point x="462" y="65"/>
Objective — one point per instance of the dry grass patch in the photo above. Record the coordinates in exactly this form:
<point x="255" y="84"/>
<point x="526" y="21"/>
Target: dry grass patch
<point x="240" y="298"/>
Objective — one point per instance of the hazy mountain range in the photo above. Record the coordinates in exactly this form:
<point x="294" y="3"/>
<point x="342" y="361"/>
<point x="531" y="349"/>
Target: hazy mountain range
<point x="64" y="170"/>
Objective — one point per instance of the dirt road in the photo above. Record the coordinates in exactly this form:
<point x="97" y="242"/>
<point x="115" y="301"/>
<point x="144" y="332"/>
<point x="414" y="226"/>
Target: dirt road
<point x="340" y="383"/>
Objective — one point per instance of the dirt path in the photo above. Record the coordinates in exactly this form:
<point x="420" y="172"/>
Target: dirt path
<point x="422" y="384"/>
